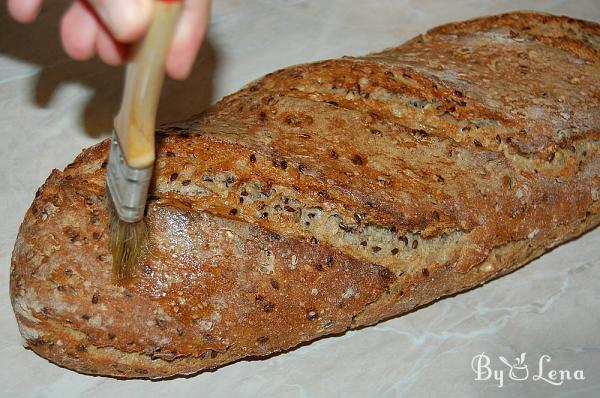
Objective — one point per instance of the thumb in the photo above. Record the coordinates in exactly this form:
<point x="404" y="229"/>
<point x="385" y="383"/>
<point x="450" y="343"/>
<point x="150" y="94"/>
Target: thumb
<point x="126" y="20"/>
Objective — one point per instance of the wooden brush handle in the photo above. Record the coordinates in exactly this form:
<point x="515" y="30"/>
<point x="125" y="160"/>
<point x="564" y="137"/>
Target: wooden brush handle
<point x="134" y="124"/>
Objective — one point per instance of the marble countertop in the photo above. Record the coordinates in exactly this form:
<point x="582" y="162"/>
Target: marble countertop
<point x="52" y="107"/>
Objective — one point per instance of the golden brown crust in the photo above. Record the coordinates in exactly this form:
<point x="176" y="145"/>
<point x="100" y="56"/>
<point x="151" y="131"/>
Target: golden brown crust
<point x="324" y="197"/>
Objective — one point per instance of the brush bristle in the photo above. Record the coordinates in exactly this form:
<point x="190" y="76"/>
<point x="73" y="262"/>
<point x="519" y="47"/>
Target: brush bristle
<point x="126" y="242"/>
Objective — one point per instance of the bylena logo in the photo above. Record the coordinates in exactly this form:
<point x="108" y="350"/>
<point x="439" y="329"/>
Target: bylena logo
<point x="518" y="370"/>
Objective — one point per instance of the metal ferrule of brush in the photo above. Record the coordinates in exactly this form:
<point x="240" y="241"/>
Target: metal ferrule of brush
<point x="128" y="187"/>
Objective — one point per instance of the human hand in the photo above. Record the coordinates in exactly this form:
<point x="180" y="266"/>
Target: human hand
<point x="106" y="27"/>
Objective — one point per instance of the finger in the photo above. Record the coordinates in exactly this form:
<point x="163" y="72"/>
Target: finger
<point x="78" y="31"/>
<point x="24" y="10"/>
<point x="189" y="34"/>
<point x="126" y="20"/>
<point x="109" y="50"/>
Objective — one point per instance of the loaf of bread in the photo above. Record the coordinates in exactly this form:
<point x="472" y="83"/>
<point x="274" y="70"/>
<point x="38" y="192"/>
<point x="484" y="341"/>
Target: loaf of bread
<point x="324" y="197"/>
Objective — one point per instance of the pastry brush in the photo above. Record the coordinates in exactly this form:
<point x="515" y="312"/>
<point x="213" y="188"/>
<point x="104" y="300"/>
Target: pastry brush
<point x="132" y="149"/>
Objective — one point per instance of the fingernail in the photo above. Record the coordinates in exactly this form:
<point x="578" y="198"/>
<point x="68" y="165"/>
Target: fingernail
<point x="125" y="19"/>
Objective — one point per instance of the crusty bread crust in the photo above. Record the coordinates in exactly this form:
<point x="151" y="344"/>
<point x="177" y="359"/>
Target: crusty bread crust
<point x="324" y="197"/>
